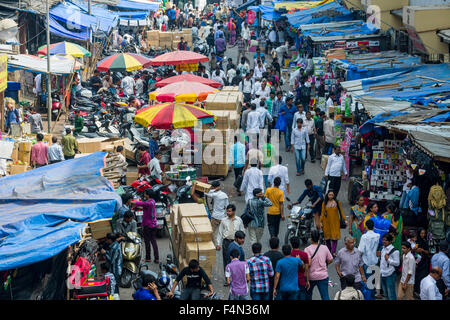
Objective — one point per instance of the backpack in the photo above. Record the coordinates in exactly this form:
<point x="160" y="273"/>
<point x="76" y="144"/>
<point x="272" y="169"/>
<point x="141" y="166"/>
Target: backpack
<point x="436" y="197"/>
<point x="353" y="298"/>
<point x="398" y="268"/>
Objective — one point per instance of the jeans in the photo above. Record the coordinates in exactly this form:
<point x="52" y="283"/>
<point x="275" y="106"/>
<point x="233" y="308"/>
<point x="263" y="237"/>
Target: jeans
<point x="320" y="146"/>
<point x="367" y="275"/>
<point x="287" y="135"/>
<point x="239" y="297"/>
<point x="273" y="224"/>
<point x="388" y="286"/>
<point x="190" y="294"/>
<point x="266" y="180"/>
<point x="301" y="293"/>
<point x="312" y="153"/>
<point x="150" y="237"/>
<point x="328" y="148"/>
<point x="287" y="295"/>
<point x="322" y="285"/>
<point x="356" y="285"/>
<point x="300" y="159"/>
<point x="259" y="296"/>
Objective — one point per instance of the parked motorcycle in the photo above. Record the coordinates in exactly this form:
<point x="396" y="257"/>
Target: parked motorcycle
<point x="131" y="249"/>
<point x="300" y="224"/>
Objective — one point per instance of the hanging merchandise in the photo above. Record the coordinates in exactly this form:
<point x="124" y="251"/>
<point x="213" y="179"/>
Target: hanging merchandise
<point x="187" y="67"/>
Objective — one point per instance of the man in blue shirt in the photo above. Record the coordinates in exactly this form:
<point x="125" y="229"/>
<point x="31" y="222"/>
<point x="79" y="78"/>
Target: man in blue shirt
<point x="315" y="195"/>
<point x="286" y="273"/>
<point x="288" y="110"/>
<point x="149" y="290"/>
<point x="172" y="13"/>
<point x="239" y="239"/>
<point x="153" y="145"/>
<point x="237" y="160"/>
<point x="219" y="32"/>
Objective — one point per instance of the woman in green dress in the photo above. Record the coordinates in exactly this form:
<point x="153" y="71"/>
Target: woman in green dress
<point x="357" y="215"/>
<point x="393" y="214"/>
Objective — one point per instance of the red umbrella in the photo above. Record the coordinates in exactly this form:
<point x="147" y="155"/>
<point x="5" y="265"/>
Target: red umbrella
<point x="179" y="57"/>
<point x="182" y="91"/>
<point x="190" y="78"/>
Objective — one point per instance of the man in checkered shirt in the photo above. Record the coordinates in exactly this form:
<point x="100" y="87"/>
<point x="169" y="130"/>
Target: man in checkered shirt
<point x="260" y="270"/>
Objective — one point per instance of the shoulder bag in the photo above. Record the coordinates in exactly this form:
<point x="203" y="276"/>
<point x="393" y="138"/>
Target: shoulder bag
<point x="343" y="225"/>
<point x="247" y="217"/>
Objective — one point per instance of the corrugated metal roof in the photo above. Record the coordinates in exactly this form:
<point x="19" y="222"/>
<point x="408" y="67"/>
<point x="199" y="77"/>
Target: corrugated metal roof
<point x="434" y="145"/>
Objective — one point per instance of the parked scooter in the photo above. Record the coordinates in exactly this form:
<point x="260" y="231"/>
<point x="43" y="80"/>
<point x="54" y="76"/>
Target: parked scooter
<point x="131" y="249"/>
<point x="300" y="224"/>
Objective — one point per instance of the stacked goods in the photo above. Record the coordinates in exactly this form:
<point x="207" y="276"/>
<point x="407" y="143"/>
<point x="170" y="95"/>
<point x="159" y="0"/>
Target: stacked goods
<point x="24" y="152"/>
<point x="230" y="89"/>
<point x="131" y="177"/>
<point x="112" y="170"/>
<point x="99" y="229"/>
<point x="223" y="119"/>
<point x="187" y="35"/>
<point x="219" y="167"/>
<point x="153" y="38"/>
<point x="320" y="66"/>
<point x="90" y="145"/>
<point x="224" y="100"/>
<point x="165" y="39"/>
<point x="335" y="53"/>
<point x="234" y="120"/>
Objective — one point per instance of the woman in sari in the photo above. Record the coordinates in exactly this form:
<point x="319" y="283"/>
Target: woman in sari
<point x="231" y="27"/>
<point x="357" y="215"/>
<point x="393" y="214"/>
<point x="330" y="221"/>
<point x="371" y="211"/>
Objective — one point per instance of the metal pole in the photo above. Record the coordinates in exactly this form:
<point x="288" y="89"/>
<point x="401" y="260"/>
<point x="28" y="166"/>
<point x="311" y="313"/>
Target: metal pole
<point x="89" y="7"/>
<point x="49" y="75"/>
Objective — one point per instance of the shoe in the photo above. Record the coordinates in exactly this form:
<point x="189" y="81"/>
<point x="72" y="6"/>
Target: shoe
<point x="303" y="171"/>
<point x="298" y="173"/>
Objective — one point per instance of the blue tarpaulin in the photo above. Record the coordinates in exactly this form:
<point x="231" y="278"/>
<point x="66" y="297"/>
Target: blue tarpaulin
<point x="330" y="12"/>
<point x="75" y="18"/>
<point x="358" y="27"/>
<point x="267" y="12"/>
<point x="369" y="125"/>
<point x="43" y="211"/>
<point x="59" y="30"/>
<point x="137" y="5"/>
<point x="102" y="11"/>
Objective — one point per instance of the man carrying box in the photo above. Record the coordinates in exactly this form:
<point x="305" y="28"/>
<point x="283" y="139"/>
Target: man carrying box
<point x="220" y="203"/>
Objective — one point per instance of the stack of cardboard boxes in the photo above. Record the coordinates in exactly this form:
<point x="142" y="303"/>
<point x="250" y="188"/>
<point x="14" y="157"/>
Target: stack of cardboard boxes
<point x="192" y="236"/>
<point x="170" y="40"/>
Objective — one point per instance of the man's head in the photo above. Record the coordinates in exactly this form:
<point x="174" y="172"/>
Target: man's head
<point x="158" y="155"/>
<point x="256" y="248"/>
<point x="142" y="150"/>
<point x="370" y="224"/>
<point x="406" y="247"/>
<point x="280" y="95"/>
<point x="234" y="254"/>
<point x="295" y="242"/>
<point x="349" y="280"/>
<point x="274" y="243"/>
<point x="258" y="193"/>
<point x="96" y="72"/>
<point x="239" y="237"/>
<point x="443" y="246"/>
<point x="308" y="115"/>
<point x="194" y="266"/>
<point x="331" y="115"/>
<point x="231" y="210"/>
<point x="77" y="113"/>
<point x="253" y="106"/>
<point x="286" y="249"/>
<point x="387" y="239"/>
<point x="54" y="140"/>
<point x="308" y="184"/>
<point x="150" y="194"/>
<point x="299" y="123"/>
<point x="111" y="237"/>
<point x="349" y="243"/>
<point x="337" y="150"/>
<point x="215" y="185"/>
<point x="436" y="273"/>
<point x="128" y="216"/>
<point x="119" y="149"/>
<point x="277" y="182"/>
<point x="40" y="137"/>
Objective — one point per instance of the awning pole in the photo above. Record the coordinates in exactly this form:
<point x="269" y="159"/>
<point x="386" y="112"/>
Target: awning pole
<point x="49" y="75"/>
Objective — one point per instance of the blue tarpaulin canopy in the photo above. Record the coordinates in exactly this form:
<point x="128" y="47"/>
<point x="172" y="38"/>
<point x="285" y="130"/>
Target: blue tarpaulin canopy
<point x="102" y="11"/>
<point x="44" y="210"/>
<point x="267" y="12"/>
<point x="59" y="30"/>
<point x="137" y="5"/>
<point x="356" y="28"/>
<point x="329" y="12"/>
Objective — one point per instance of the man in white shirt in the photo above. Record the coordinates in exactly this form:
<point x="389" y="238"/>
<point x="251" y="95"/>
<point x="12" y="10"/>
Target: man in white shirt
<point x="264" y="90"/>
<point x="259" y="70"/>
<point x="155" y="166"/>
<point x="330" y="134"/>
<point x="220" y="203"/>
<point x="127" y="85"/>
<point x="308" y="123"/>
<point x="300" y="114"/>
<point x="231" y="73"/>
<point x="368" y="246"/>
<point x="245" y="33"/>
<point x="55" y="152"/>
<point x="428" y="287"/>
<point x="139" y="83"/>
<point x="335" y="170"/>
<point x="264" y="114"/>
<point x="330" y="103"/>
<point x="218" y="75"/>
<point x="389" y="259"/>
<point x="280" y="171"/>
<point x="253" y="120"/>
<point x="253" y="178"/>
<point x="246" y="87"/>
<point x="299" y="143"/>
<point x="406" y="285"/>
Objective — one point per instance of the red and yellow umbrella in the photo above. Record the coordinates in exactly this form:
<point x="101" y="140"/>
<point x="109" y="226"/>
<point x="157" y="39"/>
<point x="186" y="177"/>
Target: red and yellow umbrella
<point x="122" y="62"/>
<point x="183" y="91"/>
<point x="187" y="77"/>
<point x="172" y="115"/>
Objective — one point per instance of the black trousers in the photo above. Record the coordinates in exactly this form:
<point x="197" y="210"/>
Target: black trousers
<point x="237" y="173"/>
<point x="335" y="184"/>
<point x="273" y="224"/>
<point x="312" y="152"/>
<point x="150" y="238"/>
<point x="225" y="245"/>
<point x="190" y="294"/>
<point x="69" y="157"/>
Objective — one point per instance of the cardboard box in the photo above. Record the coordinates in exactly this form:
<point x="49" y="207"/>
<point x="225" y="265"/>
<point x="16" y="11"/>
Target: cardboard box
<point x="154" y="44"/>
<point x="190" y="210"/>
<point x="131" y="177"/>
<point x="18" y="168"/>
<point x="15" y="153"/>
<point x="110" y="145"/>
<point x="153" y="35"/>
<point x="48" y="138"/>
<point x="234" y="120"/>
<point x="87" y="145"/>
<point x="165" y="37"/>
<point x="99" y="229"/>
<point x="202" y="187"/>
<point x="196" y="229"/>
<point x="25" y="146"/>
<point x="24" y="156"/>
<point x="204" y="252"/>
<point x="165" y="44"/>
<point x="223" y="119"/>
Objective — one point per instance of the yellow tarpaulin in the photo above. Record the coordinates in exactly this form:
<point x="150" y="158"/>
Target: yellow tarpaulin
<point x="299" y="4"/>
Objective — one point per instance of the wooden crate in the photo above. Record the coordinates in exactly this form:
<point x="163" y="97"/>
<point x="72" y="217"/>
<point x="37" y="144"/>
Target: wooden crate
<point x="99" y="229"/>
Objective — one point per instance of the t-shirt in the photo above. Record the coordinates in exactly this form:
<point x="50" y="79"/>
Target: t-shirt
<point x="143" y="294"/>
<point x="301" y="271"/>
<point x="275" y="195"/>
<point x="288" y="269"/>
<point x="194" y="279"/>
<point x="318" y="269"/>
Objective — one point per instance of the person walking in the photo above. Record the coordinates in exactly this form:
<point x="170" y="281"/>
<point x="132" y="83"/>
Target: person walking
<point x="287" y="111"/>
<point x="35" y="120"/>
<point x="113" y="257"/>
<point x="330" y="221"/>
<point x="261" y="271"/>
<point x="287" y="275"/>
<point x="300" y="143"/>
<point x="239" y="239"/>
<point x="423" y="249"/>
<point x="253" y="178"/>
<point x="274" y="255"/>
<point x="303" y="271"/>
<point x="278" y="170"/>
<point x="227" y="230"/>
<point x="255" y="207"/>
<point x="406" y="285"/>
<point x="276" y="212"/>
<point x="70" y="145"/>
<point x="149" y="224"/>
<point x="350" y="292"/>
<point x="237" y="161"/>
<point x="336" y="170"/>
<point x="329" y="133"/>
<point x="245" y="33"/>
<point x="428" y="287"/>
<point x="55" y="152"/>
<point x="442" y="261"/>
<point x="39" y="152"/>
<point x="237" y="275"/>
<point x="319" y="259"/>
<point x="356" y="220"/>
<point x="390" y="258"/>
<point x="320" y="136"/>
<point x="308" y="123"/>
<point x="220" y="204"/>
<point x="368" y="246"/>
<point x="349" y="261"/>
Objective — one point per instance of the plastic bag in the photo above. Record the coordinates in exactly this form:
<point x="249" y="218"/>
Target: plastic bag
<point x="281" y="124"/>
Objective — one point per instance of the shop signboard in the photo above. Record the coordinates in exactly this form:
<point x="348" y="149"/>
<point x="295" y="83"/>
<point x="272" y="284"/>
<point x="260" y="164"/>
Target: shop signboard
<point x="3" y="72"/>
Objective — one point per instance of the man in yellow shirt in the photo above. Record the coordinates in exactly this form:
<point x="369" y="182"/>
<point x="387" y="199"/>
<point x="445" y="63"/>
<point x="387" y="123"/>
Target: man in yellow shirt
<point x="276" y="211"/>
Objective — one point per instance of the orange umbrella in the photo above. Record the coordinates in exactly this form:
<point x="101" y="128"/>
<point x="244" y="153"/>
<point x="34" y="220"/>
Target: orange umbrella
<point x="182" y="91"/>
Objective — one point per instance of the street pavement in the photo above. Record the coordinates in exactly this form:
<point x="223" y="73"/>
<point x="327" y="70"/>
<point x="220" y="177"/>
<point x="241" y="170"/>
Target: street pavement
<point x="313" y="171"/>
